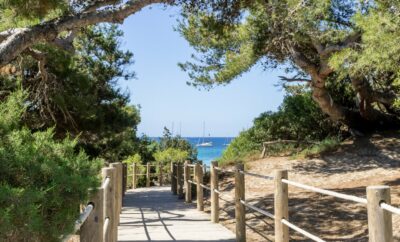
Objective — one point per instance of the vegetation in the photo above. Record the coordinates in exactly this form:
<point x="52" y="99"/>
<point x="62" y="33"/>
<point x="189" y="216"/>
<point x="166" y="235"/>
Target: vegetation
<point x="70" y="121"/>
<point x="298" y="118"/>
<point x="171" y="155"/>
<point x="168" y="149"/>
<point x="42" y="181"/>
<point x="327" y="44"/>
<point x="78" y="96"/>
<point x="62" y="116"/>
<point x="168" y="142"/>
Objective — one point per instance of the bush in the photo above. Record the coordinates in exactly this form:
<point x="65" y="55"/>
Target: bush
<point x="298" y="118"/>
<point x="177" y="143"/>
<point x="42" y="182"/>
<point x="326" y="145"/>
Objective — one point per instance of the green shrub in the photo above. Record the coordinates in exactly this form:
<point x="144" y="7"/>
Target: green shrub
<point x="42" y="182"/>
<point x="298" y="118"/>
<point x="326" y="145"/>
<point x="240" y="149"/>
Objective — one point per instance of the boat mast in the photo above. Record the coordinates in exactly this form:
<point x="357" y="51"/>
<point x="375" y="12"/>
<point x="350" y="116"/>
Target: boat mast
<point x="204" y="131"/>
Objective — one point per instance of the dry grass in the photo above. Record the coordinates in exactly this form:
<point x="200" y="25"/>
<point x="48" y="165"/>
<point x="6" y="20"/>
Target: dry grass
<point x="369" y="161"/>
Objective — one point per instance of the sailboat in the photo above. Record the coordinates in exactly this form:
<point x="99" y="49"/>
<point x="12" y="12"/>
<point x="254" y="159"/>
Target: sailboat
<point x="227" y="142"/>
<point x="203" y="143"/>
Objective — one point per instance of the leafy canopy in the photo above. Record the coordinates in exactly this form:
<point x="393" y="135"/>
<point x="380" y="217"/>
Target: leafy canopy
<point x="80" y="96"/>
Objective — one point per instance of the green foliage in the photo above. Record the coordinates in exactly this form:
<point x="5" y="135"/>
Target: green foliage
<point x="23" y="13"/>
<point x="80" y="96"/>
<point x="351" y="46"/>
<point x="136" y="158"/>
<point x="146" y="147"/>
<point x="259" y="32"/>
<point x="177" y="143"/>
<point x="298" y="118"/>
<point x="378" y="55"/>
<point x="168" y="149"/>
<point x="171" y="155"/>
<point x="240" y="149"/>
<point x="42" y="181"/>
<point x="326" y="145"/>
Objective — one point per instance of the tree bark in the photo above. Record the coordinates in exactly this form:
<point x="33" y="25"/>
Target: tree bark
<point x="364" y="119"/>
<point x="318" y="78"/>
<point x="14" y="42"/>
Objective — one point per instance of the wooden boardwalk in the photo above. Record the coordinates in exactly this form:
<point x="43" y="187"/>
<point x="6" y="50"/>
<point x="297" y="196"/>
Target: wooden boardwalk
<point x="154" y="214"/>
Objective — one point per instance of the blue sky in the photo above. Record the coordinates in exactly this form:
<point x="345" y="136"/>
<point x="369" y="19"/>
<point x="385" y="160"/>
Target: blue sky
<point x="165" y="99"/>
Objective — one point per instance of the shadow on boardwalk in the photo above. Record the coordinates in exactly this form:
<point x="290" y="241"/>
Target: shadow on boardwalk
<point x="154" y="214"/>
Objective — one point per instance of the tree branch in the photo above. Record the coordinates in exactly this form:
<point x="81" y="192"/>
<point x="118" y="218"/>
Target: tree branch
<point x="303" y="62"/>
<point x="350" y="41"/>
<point x="65" y="43"/>
<point x="7" y="33"/>
<point x="100" y="3"/>
<point x="294" y="79"/>
<point x="48" y="31"/>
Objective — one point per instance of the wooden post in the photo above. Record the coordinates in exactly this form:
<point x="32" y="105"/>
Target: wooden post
<point x="379" y="220"/>
<point x="179" y="175"/>
<point x="124" y="178"/>
<point x="118" y="188"/>
<point x="134" y="175"/>
<point x="110" y="235"/>
<point x="148" y="174"/>
<point x="160" y="174"/>
<point x="214" y="195"/>
<point x="188" y="185"/>
<point x="281" y="200"/>
<point x="198" y="171"/>
<point x="173" y="178"/>
<point x="92" y="229"/>
<point x="240" y="209"/>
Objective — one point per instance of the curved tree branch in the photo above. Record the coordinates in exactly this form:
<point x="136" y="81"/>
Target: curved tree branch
<point x="21" y="39"/>
<point x="294" y="79"/>
<point x="350" y="41"/>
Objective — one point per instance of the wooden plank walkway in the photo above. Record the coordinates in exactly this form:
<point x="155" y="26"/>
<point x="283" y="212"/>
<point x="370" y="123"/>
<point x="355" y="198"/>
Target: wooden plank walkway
<point x="154" y="214"/>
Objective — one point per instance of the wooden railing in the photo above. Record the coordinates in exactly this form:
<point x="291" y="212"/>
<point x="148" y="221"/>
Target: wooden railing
<point x="99" y="219"/>
<point x="147" y="173"/>
<point x="377" y="200"/>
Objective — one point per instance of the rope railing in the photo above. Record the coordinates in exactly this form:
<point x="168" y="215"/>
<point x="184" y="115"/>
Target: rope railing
<point x="268" y="214"/>
<point x="376" y="202"/>
<point x="106" y="227"/>
<point x="390" y="208"/>
<point x="302" y="231"/>
<point x="106" y="182"/>
<point x="150" y="172"/>
<point x="205" y="187"/>
<point x="152" y="165"/>
<point x="326" y="192"/>
<point x="223" y="194"/>
<point x="224" y="170"/>
<point x="257" y="175"/>
<point x="82" y="219"/>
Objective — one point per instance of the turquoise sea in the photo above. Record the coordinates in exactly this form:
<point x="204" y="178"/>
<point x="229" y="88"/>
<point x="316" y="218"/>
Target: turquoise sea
<point x="208" y="154"/>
